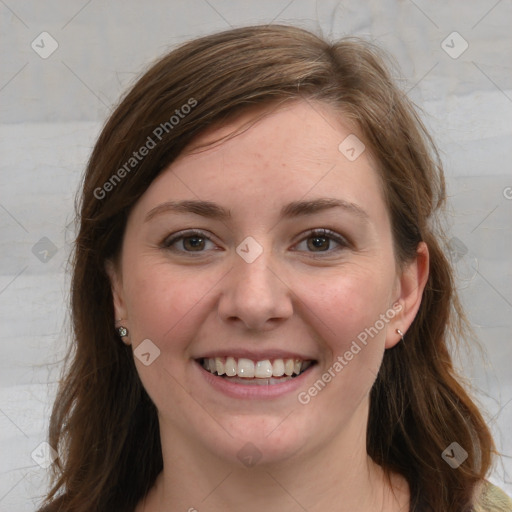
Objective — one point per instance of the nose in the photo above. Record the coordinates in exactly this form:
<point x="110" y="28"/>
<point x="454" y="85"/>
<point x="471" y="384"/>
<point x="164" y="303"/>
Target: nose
<point x="255" y="295"/>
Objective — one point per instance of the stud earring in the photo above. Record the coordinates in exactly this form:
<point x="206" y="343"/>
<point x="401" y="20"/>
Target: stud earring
<point x="122" y="331"/>
<point x="400" y="333"/>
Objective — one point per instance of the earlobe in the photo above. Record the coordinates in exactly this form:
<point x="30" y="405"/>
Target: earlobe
<point x="117" y="290"/>
<point x="412" y="282"/>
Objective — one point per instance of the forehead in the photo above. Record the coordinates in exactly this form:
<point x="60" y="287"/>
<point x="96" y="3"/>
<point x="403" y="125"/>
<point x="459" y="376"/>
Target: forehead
<point x="273" y="156"/>
<point x="286" y="125"/>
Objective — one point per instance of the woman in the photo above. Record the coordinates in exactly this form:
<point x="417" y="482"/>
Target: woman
<point x="261" y="305"/>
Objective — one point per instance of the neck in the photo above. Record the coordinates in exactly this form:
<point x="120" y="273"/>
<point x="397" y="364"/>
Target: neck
<point x="335" y="476"/>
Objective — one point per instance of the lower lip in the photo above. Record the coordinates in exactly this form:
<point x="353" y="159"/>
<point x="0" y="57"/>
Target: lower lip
<point x="255" y="391"/>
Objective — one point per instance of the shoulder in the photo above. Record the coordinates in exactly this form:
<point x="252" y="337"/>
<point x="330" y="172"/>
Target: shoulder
<point x="493" y="499"/>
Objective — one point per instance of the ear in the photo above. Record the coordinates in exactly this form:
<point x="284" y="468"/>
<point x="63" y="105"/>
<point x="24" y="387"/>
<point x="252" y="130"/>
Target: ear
<point x="116" y="285"/>
<point x="411" y="284"/>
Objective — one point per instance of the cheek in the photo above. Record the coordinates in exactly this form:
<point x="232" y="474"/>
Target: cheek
<point x="166" y="306"/>
<point x="163" y="303"/>
<point x="348" y="303"/>
<point x="346" y="312"/>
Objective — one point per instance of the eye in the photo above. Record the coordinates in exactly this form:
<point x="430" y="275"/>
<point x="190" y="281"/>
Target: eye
<point x="320" y="240"/>
<point x="190" y="241"/>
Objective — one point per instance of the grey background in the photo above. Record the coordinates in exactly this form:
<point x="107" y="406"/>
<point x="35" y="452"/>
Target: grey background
<point x="51" y="111"/>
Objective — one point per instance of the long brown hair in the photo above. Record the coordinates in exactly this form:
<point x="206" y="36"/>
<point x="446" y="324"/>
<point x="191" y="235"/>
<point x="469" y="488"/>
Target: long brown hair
<point x="103" y="422"/>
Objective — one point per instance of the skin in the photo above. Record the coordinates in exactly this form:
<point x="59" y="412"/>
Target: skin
<point x="294" y="297"/>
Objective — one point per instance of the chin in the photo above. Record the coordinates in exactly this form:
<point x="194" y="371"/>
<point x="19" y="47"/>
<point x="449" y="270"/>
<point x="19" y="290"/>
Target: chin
<point x="262" y="440"/>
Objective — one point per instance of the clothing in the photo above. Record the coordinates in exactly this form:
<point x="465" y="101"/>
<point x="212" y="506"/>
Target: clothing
<point x="493" y="499"/>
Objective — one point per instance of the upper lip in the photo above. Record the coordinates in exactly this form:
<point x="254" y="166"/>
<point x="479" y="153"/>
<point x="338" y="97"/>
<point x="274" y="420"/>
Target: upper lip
<point x="255" y="356"/>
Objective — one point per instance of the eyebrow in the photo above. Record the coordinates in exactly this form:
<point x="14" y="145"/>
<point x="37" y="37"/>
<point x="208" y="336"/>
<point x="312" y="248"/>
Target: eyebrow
<point x="291" y="210"/>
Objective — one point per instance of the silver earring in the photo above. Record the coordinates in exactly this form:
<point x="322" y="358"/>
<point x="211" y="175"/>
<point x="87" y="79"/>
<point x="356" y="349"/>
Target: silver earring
<point x="122" y="331"/>
<point x="400" y="333"/>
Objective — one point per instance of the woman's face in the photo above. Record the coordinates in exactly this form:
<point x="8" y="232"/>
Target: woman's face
<point x="268" y="253"/>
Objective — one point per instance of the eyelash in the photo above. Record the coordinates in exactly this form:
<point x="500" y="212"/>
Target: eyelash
<point x="313" y="233"/>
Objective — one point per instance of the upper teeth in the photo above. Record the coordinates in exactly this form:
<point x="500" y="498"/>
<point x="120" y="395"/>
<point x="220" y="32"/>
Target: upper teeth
<point x="259" y="369"/>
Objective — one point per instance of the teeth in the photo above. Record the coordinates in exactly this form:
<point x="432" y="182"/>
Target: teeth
<point x="263" y="369"/>
<point x="249" y="369"/>
<point x="230" y="367"/>
<point x="219" y="366"/>
<point x="278" y="368"/>
<point x="245" y="368"/>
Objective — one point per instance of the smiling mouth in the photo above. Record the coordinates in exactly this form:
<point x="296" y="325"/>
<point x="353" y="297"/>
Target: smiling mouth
<point x="246" y="371"/>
